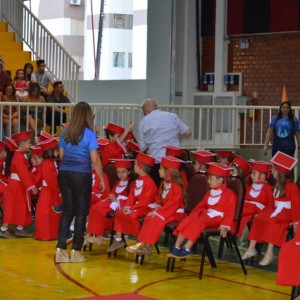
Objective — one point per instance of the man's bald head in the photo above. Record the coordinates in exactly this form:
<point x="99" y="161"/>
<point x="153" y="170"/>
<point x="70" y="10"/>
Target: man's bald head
<point x="148" y="105"/>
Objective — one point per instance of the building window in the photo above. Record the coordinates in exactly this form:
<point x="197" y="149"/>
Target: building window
<point x="123" y="21"/>
<point x="129" y="60"/>
<point x="119" y="21"/>
<point x="119" y="59"/>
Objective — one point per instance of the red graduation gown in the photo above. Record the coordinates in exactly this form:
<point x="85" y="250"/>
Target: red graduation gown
<point x="273" y="229"/>
<point x="172" y="209"/>
<point x="259" y="196"/>
<point x="46" y="220"/>
<point x="216" y="209"/>
<point x="143" y="193"/>
<point x="17" y="202"/>
<point x="111" y="151"/>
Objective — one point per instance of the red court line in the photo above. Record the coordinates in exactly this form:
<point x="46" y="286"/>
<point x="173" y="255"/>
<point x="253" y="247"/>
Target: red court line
<point x="64" y="274"/>
<point x="212" y="276"/>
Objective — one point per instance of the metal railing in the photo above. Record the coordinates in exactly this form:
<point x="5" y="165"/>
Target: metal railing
<point x="42" y="44"/>
<point x="213" y="127"/>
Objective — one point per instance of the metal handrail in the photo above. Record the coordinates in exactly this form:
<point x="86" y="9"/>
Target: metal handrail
<point x="43" y="44"/>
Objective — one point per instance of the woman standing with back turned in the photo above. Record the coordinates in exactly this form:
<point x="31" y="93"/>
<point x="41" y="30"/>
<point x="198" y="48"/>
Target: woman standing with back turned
<point x="78" y="152"/>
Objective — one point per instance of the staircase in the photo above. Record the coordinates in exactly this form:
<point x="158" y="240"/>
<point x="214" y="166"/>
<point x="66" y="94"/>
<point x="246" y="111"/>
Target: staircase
<point x="12" y="52"/>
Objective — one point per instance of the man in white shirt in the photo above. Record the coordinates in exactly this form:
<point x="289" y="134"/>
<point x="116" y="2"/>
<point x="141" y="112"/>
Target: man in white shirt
<point x="158" y="129"/>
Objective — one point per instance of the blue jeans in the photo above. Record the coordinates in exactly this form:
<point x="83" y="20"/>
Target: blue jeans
<point x="76" y="189"/>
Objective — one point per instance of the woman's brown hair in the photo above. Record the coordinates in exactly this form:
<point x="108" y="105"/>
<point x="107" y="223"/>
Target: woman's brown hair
<point x="82" y="118"/>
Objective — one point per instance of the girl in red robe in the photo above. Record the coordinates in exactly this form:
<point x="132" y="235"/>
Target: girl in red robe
<point x="289" y="264"/>
<point x="216" y="209"/>
<point x="17" y="200"/>
<point x="170" y="206"/>
<point x="142" y="195"/>
<point x="271" y="225"/>
<point x="97" y="221"/>
<point x="46" y="219"/>
<point x="259" y="195"/>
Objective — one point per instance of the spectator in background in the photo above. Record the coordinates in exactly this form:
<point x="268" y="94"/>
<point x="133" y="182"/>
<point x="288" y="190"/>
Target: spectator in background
<point x="60" y="114"/>
<point x="42" y="77"/>
<point x="28" y="70"/>
<point x="284" y="127"/>
<point x="7" y="114"/>
<point x="5" y="80"/>
<point x="35" y="120"/>
<point x="20" y="85"/>
<point x="158" y="129"/>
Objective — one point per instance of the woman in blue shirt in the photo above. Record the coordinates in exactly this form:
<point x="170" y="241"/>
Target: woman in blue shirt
<point x="78" y="153"/>
<point x="283" y="128"/>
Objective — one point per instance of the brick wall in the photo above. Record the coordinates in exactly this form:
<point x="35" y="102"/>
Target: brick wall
<point x="271" y="61"/>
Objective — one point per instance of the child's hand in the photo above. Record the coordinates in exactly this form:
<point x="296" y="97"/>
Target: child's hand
<point x="126" y="210"/>
<point x="112" y="198"/>
<point x="223" y="232"/>
<point x="34" y="191"/>
<point x="130" y="125"/>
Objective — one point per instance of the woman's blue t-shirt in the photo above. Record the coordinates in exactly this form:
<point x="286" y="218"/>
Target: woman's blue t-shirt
<point x="77" y="158"/>
<point x="284" y="133"/>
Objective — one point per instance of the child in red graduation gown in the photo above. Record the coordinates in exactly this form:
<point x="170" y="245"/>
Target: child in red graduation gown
<point x="170" y="206"/>
<point x="116" y="136"/>
<point x="289" y="263"/>
<point x="97" y="221"/>
<point x="46" y="219"/>
<point x="17" y="201"/>
<point x="142" y="194"/>
<point x="259" y="195"/>
<point x="271" y="225"/>
<point x="216" y="209"/>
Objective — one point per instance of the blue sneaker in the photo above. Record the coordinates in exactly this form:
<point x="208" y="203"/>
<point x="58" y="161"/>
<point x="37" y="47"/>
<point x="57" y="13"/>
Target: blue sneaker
<point x="175" y="251"/>
<point x="184" y="253"/>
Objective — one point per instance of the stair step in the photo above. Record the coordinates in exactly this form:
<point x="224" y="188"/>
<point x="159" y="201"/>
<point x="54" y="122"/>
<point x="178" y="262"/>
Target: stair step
<point x="11" y="46"/>
<point x="15" y="54"/>
<point x="3" y="26"/>
<point x="7" y="37"/>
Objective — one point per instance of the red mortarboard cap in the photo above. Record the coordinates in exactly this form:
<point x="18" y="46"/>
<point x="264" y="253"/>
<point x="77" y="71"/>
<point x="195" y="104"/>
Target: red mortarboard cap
<point x="260" y="166"/>
<point x="36" y="150"/>
<point x="147" y="159"/>
<point x="22" y="136"/>
<point x="204" y="156"/>
<point x="114" y="128"/>
<point x="171" y="162"/>
<point x="242" y="163"/>
<point x="44" y="136"/>
<point x="129" y="136"/>
<point x="11" y="144"/>
<point x="102" y="142"/>
<point x="218" y="169"/>
<point x="49" y="144"/>
<point x="133" y="146"/>
<point x="173" y="151"/>
<point x="2" y="145"/>
<point x="122" y="163"/>
<point x="283" y="162"/>
<point x="226" y="153"/>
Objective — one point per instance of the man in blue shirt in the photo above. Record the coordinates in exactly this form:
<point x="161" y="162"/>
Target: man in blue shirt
<point x="158" y="129"/>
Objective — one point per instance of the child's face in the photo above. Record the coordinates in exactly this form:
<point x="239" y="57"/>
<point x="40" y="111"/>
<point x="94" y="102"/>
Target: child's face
<point x="275" y="173"/>
<point x="36" y="160"/>
<point x="256" y="176"/>
<point x="122" y="173"/>
<point x="214" y="181"/>
<point x="21" y="75"/>
<point x="162" y="173"/>
<point x="137" y="168"/>
<point x="2" y="153"/>
<point x="56" y="153"/>
<point x="25" y="145"/>
<point x="197" y="166"/>
<point x="114" y="138"/>
<point x="223" y="160"/>
<point x="234" y="172"/>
